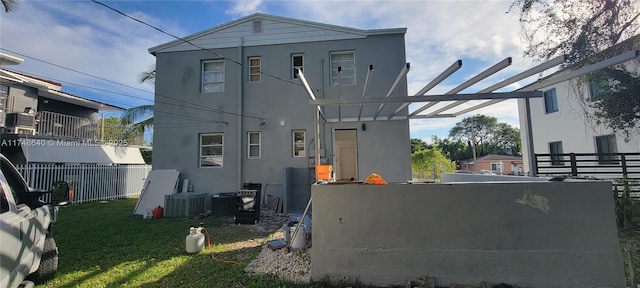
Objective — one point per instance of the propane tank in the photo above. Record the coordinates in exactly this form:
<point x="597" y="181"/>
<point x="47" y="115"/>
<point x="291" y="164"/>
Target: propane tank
<point x="195" y="240"/>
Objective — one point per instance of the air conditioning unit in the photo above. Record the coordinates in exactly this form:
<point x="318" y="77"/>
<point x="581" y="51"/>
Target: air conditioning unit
<point x="20" y="120"/>
<point x="20" y="130"/>
<point x="184" y="204"/>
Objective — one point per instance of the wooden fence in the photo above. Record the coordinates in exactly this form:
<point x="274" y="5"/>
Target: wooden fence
<point x="90" y="182"/>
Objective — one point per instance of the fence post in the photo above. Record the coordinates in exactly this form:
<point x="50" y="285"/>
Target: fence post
<point x="574" y="167"/>
<point x="624" y="165"/>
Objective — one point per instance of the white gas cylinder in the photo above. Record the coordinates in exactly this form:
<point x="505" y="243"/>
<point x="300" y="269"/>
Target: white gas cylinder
<point x="194" y="243"/>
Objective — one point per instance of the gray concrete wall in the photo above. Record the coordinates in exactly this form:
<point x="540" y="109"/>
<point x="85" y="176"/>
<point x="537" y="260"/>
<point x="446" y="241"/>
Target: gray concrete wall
<point x="464" y="177"/>
<point x="282" y="107"/>
<point x="532" y="234"/>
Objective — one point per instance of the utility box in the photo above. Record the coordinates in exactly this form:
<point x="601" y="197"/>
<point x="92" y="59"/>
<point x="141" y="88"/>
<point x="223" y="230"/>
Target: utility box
<point x="184" y="204"/>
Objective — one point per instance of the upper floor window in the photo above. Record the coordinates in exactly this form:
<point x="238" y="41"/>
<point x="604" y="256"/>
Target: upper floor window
<point x="299" y="143"/>
<point x="346" y="61"/>
<point x="254" y="69"/>
<point x="605" y="146"/>
<point x="254" y="145"/>
<point x="297" y="62"/>
<point x="550" y="101"/>
<point x="211" y="150"/>
<point x="257" y="26"/>
<point x="213" y="76"/>
<point x="595" y="90"/>
<point x="555" y="149"/>
<point x="4" y="92"/>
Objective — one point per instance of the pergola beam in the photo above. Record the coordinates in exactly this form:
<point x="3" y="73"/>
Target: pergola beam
<point x="401" y="75"/>
<point x="515" y="78"/>
<point x="428" y="98"/>
<point x="367" y="83"/>
<point x="307" y="87"/>
<point x="482" y="75"/>
<point x="444" y="75"/>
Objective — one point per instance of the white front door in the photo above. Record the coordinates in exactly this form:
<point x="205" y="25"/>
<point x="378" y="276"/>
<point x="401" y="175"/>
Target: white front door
<point x="347" y="163"/>
<point x="346" y="147"/>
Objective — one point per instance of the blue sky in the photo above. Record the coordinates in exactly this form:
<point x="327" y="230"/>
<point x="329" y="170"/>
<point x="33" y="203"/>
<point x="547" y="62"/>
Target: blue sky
<point x="87" y="37"/>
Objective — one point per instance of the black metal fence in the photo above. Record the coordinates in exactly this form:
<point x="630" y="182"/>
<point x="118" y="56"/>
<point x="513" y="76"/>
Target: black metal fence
<point x="609" y="166"/>
<point x="606" y="166"/>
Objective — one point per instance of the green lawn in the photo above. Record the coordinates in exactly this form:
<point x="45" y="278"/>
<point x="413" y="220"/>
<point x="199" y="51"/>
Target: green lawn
<point x="104" y="245"/>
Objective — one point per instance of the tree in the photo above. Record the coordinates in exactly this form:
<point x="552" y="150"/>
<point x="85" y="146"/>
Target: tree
<point x="118" y="130"/>
<point x="454" y="150"/>
<point x="475" y="129"/>
<point x="580" y="29"/>
<point x="141" y="117"/>
<point x="506" y="140"/>
<point x="431" y="160"/>
<point x="9" y="5"/>
<point x="418" y="144"/>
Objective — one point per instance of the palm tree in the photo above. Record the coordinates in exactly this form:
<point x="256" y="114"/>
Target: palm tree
<point x="134" y="114"/>
<point x="9" y="5"/>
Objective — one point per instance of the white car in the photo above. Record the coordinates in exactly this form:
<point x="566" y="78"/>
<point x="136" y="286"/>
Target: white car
<point x="28" y="251"/>
<point x="486" y="172"/>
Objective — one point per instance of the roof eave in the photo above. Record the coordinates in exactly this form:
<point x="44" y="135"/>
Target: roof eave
<point x="364" y="33"/>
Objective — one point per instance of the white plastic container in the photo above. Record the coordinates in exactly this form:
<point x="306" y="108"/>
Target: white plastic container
<point x="194" y="243"/>
<point x="300" y="240"/>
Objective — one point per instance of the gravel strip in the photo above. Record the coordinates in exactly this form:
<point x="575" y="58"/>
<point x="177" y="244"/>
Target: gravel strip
<point x="294" y="266"/>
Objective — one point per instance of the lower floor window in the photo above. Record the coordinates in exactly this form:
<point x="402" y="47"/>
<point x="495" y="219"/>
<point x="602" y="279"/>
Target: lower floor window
<point x="299" y="143"/>
<point x="211" y="150"/>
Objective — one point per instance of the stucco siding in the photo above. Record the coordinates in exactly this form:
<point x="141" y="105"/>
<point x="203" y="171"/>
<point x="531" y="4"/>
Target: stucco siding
<point x="569" y="124"/>
<point x="274" y="107"/>
<point x="273" y="33"/>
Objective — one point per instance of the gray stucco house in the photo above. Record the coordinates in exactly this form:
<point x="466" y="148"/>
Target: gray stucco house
<point x="229" y="108"/>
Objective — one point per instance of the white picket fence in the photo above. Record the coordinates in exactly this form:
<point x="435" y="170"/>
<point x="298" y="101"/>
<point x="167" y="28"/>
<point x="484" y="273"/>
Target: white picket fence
<point x="90" y="182"/>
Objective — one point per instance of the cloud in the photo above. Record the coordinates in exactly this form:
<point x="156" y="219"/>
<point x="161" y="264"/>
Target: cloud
<point x="84" y="37"/>
<point x="438" y="33"/>
<point x="245" y="7"/>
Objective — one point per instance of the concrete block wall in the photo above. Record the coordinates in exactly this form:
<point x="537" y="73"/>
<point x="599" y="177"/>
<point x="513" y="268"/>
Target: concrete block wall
<point x="532" y="234"/>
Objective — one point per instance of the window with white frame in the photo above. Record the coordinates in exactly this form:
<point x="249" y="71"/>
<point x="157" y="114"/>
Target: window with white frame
<point x="254" y="143"/>
<point x="254" y="69"/>
<point x="346" y="60"/>
<point x="555" y="149"/>
<point x="213" y="76"/>
<point x="606" y="145"/>
<point x="550" y="101"/>
<point x="299" y="143"/>
<point x="496" y="166"/>
<point x="211" y="150"/>
<point x="297" y="62"/>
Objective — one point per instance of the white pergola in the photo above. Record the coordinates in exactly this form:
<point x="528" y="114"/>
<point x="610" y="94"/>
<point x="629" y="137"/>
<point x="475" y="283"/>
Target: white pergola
<point x="345" y="106"/>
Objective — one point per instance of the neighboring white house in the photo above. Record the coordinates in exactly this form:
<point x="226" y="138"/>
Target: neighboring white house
<point x="559" y="122"/>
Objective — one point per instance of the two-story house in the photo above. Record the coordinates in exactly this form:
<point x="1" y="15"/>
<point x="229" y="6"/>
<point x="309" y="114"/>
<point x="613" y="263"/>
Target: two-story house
<point x="559" y="122"/>
<point x="42" y="124"/>
<point x="230" y="108"/>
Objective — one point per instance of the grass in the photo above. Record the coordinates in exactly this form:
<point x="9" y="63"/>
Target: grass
<point x="103" y="245"/>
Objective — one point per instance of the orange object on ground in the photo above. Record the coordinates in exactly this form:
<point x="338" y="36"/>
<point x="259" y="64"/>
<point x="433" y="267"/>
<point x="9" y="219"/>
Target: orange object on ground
<point x="375" y="179"/>
<point x="323" y="172"/>
<point x="158" y="212"/>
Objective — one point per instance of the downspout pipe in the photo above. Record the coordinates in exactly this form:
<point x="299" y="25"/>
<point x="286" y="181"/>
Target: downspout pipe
<point x="240" y="111"/>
